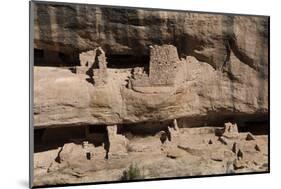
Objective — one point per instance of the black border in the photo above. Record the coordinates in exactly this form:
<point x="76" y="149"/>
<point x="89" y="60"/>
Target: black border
<point x="31" y="91"/>
<point x="31" y="63"/>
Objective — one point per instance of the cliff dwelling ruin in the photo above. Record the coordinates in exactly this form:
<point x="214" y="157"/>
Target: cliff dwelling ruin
<point x="164" y="67"/>
<point x="114" y="91"/>
<point x="237" y="144"/>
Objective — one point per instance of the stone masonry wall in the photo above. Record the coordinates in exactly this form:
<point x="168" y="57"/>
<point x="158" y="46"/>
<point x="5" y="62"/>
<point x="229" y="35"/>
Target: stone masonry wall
<point x="162" y="65"/>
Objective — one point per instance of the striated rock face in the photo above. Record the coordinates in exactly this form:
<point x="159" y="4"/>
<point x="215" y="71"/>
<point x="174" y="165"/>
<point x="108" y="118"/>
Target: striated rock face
<point x="225" y="72"/>
<point x="208" y="37"/>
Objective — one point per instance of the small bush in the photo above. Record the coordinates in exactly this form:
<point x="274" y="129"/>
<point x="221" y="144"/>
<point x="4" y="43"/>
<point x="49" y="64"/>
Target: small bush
<point x="133" y="173"/>
<point x="229" y="169"/>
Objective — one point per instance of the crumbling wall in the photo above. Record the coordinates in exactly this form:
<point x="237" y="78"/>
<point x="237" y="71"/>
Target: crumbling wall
<point x="100" y="74"/>
<point x="164" y="67"/>
<point x="163" y="63"/>
<point x="87" y="58"/>
<point x="93" y="63"/>
<point x="117" y="143"/>
<point x="140" y="78"/>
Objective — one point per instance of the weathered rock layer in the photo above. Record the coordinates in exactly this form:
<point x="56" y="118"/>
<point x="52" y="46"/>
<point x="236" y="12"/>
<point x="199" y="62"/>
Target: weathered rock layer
<point x="225" y="71"/>
<point x="64" y="98"/>
<point x="208" y="37"/>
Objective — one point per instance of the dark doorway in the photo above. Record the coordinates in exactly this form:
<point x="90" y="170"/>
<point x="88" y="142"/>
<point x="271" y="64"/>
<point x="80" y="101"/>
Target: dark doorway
<point x="127" y="61"/>
<point x="55" y="59"/>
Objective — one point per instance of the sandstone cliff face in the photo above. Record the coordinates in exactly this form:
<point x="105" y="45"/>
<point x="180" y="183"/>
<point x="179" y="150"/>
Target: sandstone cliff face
<point x="226" y="73"/>
<point x="77" y="28"/>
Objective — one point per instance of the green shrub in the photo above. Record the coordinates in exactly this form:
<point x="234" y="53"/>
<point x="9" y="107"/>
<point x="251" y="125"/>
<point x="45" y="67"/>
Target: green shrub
<point x="133" y="173"/>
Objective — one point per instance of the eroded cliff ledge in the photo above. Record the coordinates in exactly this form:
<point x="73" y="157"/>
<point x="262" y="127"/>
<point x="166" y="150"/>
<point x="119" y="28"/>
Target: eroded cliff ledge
<point x="225" y="65"/>
<point x="199" y="91"/>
